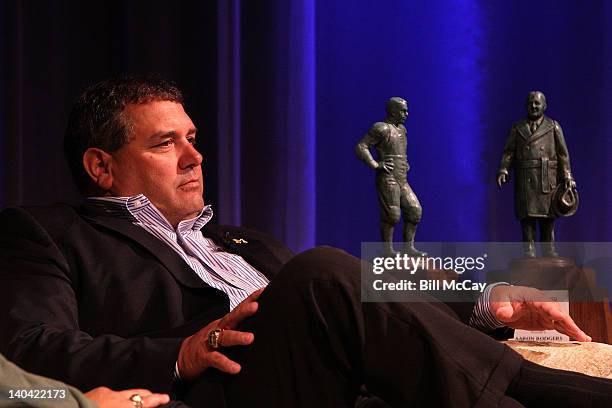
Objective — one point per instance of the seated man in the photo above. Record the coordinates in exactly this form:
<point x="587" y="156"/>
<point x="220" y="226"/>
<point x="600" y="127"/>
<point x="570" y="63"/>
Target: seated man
<point x="136" y="289"/>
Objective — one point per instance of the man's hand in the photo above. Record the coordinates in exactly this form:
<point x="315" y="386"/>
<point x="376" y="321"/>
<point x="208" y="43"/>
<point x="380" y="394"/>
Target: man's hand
<point x="386" y="165"/>
<point x="521" y="307"/>
<point x="107" y="398"/>
<point x="501" y="179"/>
<point x="195" y="356"/>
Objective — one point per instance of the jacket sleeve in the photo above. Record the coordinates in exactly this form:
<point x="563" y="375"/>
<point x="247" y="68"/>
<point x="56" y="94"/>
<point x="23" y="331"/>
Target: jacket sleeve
<point x="508" y="155"/>
<point x="39" y="326"/>
<point x="563" y="159"/>
<point x="17" y="379"/>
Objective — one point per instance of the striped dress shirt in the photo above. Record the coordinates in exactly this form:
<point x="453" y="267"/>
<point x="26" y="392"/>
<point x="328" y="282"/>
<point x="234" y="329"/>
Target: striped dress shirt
<point x="227" y="272"/>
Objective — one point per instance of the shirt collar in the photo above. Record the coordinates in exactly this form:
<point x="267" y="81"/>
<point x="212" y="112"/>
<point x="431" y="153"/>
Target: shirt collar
<point x="139" y="209"/>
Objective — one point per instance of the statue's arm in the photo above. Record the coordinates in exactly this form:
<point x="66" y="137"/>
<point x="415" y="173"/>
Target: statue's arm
<point x="563" y="159"/>
<point x="362" y="149"/>
<point x="507" y="157"/>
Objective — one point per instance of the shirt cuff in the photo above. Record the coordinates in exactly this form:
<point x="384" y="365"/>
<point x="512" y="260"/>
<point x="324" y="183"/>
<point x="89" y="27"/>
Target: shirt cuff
<point x="483" y="317"/>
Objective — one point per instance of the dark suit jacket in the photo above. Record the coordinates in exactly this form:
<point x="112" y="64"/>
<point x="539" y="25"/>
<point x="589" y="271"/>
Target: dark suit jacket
<point x="93" y="300"/>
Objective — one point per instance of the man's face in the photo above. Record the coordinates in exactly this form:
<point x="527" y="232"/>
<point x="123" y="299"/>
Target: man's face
<point x="160" y="160"/>
<point x="536" y="105"/>
<point x="399" y="112"/>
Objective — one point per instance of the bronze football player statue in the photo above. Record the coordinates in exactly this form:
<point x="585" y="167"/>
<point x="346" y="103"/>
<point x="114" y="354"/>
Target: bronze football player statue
<point x="544" y="186"/>
<point x="395" y="196"/>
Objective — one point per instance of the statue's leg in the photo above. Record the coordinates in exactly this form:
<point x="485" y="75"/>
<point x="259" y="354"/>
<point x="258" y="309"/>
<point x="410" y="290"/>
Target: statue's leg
<point x="547" y="236"/>
<point x="528" y="225"/>
<point x="412" y="211"/>
<point x="389" y="200"/>
<point x="386" y="235"/>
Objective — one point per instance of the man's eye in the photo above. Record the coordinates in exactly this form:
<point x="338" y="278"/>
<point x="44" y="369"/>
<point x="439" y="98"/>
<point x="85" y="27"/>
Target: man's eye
<point x="192" y="141"/>
<point x="165" y="143"/>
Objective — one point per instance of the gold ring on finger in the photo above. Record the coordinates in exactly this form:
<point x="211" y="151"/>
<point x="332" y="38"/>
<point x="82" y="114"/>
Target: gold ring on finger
<point x="214" y="339"/>
<point x="136" y="400"/>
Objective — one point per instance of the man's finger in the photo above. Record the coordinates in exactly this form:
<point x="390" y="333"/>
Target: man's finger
<point x="241" y="312"/>
<point x="246" y="308"/>
<point x="222" y="363"/>
<point x="543" y="323"/>
<point x="560" y="321"/>
<point x="155" y="400"/>
<point x="140" y="391"/>
<point x="505" y="313"/>
<point x="563" y="323"/>
<point x="255" y="295"/>
<point x="235" y="338"/>
<point x="571" y="330"/>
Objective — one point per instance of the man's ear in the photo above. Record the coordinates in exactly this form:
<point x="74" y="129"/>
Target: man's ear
<point x="97" y="164"/>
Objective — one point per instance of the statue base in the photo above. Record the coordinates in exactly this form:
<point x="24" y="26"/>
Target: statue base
<point x="544" y="273"/>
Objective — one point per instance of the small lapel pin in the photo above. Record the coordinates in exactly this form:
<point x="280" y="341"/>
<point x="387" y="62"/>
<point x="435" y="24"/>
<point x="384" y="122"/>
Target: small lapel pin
<point x="240" y="241"/>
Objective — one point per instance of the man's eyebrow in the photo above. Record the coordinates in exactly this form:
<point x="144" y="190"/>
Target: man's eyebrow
<point x="172" y="133"/>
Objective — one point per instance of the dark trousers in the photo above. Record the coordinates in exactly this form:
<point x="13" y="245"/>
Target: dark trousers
<point x="547" y="229"/>
<point x="316" y="343"/>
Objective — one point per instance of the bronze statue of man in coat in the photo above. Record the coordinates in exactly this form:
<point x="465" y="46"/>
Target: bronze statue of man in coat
<point x="537" y="152"/>
<point x="395" y="196"/>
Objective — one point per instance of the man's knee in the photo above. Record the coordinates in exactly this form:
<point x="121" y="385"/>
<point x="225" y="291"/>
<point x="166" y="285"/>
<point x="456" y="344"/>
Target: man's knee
<point x="413" y="214"/>
<point x="392" y="215"/>
<point x="323" y="263"/>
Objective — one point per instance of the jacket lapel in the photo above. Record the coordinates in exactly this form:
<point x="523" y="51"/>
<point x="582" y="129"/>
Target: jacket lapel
<point x="241" y="242"/>
<point x="233" y="239"/>
<point x="544" y="127"/>
<point x="524" y="131"/>
<point x="170" y="259"/>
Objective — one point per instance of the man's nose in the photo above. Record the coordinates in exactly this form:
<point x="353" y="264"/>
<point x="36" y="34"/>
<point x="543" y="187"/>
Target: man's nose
<point x="190" y="157"/>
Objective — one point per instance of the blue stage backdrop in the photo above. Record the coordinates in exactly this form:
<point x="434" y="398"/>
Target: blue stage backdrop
<point x="465" y="68"/>
<point x="284" y="89"/>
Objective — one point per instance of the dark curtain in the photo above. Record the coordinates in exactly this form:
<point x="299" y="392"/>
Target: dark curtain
<point x="278" y="119"/>
<point x="51" y="50"/>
